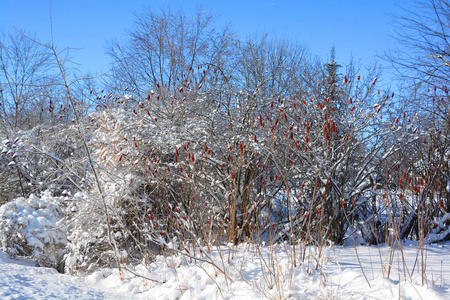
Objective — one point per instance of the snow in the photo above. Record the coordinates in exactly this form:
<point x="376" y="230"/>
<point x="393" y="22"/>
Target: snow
<point x="375" y="261"/>
<point x="21" y="280"/>
<point x="252" y="272"/>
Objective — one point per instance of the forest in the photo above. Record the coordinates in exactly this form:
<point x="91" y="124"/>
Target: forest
<point x="195" y="140"/>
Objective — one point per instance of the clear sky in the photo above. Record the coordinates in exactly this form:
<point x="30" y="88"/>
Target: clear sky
<point x="358" y="28"/>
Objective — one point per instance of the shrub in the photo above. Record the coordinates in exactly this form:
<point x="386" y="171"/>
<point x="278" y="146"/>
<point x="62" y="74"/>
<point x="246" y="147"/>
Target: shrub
<point x="32" y="227"/>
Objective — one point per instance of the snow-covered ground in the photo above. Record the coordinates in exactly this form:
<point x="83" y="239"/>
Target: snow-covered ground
<point x="250" y="273"/>
<point x="20" y="279"/>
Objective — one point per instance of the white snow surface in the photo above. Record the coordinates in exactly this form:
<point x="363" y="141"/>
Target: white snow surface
<point x="20" y="279"/>
<point x="250" y="273"/>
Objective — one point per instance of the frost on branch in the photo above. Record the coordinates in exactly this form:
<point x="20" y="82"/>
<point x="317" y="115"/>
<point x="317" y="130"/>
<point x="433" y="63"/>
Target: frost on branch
<point x="87" y="240"/>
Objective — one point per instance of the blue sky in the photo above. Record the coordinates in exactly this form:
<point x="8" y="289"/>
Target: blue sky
<point x="355" y="27"/>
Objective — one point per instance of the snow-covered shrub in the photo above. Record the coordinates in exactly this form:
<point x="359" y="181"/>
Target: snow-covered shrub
<point x="88" y="246"/>
<point x="136" y="156"/>
<point x="87" y="238"/>
<point x="44" y="157"/>
<point x="159" y="175"/>
<point x="33" y="227"/>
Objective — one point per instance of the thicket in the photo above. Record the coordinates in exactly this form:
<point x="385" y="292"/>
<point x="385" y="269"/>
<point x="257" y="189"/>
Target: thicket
<point x="198" y="139"/>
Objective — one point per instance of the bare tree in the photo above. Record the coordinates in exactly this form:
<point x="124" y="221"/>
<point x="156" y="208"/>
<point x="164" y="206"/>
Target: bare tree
<point x="422" y="42"/>
<point x="423" y="57"/>
<point x="164" y="48"/>
<point x="25" y="96"/>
